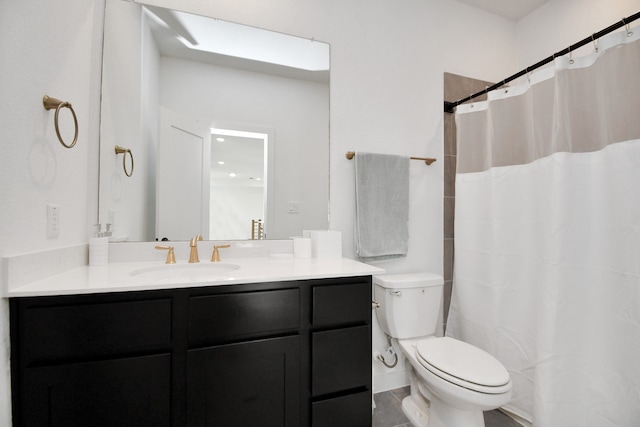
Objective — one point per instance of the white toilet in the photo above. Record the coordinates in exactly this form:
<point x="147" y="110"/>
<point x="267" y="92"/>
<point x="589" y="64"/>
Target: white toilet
<point x="452" y="382"/>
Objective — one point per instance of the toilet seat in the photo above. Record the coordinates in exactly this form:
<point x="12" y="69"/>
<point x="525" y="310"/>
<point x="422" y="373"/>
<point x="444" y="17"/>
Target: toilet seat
<point x="463" y="364"/>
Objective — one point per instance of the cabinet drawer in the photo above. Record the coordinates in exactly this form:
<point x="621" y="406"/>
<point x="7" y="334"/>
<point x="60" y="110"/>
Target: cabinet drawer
<point x="227" y="317"/>
<point x="94" y="329"/>
<point x="353" y="410"/>
<point x="341" y="360"/>
<point x="341" y="304"/>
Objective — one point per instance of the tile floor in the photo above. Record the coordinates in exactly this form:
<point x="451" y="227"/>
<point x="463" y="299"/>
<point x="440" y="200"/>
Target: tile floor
<point x="388" y="412"/>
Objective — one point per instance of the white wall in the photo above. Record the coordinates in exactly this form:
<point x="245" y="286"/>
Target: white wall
<point x="560" y="23"/>
<point x="42" y="57"/>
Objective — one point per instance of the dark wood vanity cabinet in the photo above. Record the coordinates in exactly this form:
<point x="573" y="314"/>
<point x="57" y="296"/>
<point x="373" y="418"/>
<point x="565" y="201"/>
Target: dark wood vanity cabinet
<point x="290" y="354"/>
<point x="341" y="355"/>
<point x="99" y="360"/>
<point x="243" y="361"/>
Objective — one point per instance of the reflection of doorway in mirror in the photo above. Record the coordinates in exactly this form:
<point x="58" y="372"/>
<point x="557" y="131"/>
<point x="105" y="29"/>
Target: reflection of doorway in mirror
<point x="182" y="205"/>
<point x="238" y="190"/>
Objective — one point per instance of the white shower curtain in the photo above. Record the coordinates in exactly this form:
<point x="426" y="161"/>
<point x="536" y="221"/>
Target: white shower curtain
<point x="547" y="237"/>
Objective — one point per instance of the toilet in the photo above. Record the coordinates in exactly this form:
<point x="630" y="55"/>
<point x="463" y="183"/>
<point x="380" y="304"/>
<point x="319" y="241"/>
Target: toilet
<point x="452" y="382"/>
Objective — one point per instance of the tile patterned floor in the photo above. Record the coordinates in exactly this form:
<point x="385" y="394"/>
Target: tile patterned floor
<point x="388" y="412"/>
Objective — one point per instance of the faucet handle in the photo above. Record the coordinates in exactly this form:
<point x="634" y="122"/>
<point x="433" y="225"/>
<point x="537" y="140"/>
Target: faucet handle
<point x="171" y="257"/>
<point x="215" y="256"/>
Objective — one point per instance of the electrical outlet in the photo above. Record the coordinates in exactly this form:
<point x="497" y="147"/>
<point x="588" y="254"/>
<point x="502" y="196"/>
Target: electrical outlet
<point x="53" y="221"/>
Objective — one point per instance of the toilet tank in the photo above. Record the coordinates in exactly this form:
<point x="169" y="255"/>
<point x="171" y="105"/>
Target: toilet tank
<point x="409" y="303"/>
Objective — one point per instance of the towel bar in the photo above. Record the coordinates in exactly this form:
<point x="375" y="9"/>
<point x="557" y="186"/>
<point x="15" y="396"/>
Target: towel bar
<point x="427" y="160"/>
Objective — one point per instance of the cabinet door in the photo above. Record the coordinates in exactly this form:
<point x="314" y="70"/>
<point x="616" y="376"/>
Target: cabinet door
<point x="340" y="360"/>
<point x="114" y="393"/>
<point x="253" y="383"/>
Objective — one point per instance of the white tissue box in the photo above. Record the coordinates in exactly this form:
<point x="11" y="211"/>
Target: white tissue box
<point x="301" y="247"/>
<point x="325" y="243"/>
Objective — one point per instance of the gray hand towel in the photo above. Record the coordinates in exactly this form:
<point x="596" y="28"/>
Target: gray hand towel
<point x="382" y="206"/>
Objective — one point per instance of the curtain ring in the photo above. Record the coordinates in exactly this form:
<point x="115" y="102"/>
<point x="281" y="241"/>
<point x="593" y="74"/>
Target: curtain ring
<point x="51" y="103"/>
<point x="571" y="61"/>
<point x="626" y="27"/>
<point x="125" y="151"/>
<point x="595" y="42"/>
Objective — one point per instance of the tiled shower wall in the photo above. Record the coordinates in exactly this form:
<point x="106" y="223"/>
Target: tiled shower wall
<point x="455" y="88"/>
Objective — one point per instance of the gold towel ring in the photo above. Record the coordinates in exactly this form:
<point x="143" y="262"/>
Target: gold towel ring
<point x="51" y="103"/>
<point x="125" y="151"/>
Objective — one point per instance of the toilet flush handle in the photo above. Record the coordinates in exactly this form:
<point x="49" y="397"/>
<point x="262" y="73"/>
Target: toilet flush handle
<point x="396" y="293"/>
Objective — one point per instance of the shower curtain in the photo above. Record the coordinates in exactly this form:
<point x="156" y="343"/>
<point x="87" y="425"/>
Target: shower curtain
<point x="547" y="237"/>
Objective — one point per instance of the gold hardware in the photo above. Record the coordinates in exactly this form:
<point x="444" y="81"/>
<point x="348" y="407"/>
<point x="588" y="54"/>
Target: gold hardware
<point x="193" y="255"/>
<point x="125" y="151"/>
<point x="257" y="229"/>
<point x="51" y="103"/>
<point x="215" y="256"/>
<point x="427" y="160"/>
<point x="171" y="257"/>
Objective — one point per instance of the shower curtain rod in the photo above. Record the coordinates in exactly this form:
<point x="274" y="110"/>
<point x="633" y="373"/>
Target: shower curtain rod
<point x="449" y="106"/>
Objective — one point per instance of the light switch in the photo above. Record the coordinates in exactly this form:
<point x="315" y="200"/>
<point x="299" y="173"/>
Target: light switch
<point x="294" y="208"/>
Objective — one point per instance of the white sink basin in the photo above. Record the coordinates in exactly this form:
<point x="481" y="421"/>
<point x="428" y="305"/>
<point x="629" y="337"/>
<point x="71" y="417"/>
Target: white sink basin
<point x="185" y="273"/>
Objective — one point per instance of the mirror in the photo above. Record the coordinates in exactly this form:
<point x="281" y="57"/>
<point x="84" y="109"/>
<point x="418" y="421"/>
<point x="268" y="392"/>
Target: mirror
<point x="173" y="85"/>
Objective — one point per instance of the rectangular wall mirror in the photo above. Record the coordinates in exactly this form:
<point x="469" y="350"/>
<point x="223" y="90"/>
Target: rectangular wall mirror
<point x="226" y="124"/>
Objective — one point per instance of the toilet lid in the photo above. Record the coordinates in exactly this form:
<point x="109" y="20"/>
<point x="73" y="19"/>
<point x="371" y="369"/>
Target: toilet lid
<point x="462" y="364"/>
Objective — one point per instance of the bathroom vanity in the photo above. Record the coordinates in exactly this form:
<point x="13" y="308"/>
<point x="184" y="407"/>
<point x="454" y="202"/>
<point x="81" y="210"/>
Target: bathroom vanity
<point x="290" y="352"/>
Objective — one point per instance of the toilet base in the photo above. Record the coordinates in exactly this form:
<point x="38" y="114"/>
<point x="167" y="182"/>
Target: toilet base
<point x="418" y="413"/>
<point x="439" y="414"/>
<point x="444" y="415"/>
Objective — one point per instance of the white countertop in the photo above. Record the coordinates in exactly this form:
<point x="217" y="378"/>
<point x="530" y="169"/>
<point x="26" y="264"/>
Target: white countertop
<point x="116" y="277"/>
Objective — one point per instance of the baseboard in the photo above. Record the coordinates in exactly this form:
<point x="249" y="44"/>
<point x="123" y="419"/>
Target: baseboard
<point x="389" y="381"/>
<point x="516" y="418"/>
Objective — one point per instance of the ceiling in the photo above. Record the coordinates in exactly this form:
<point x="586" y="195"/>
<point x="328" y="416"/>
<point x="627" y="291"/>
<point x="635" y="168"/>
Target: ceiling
<point x="512" y="9"/>
<point x="217" y="42"/>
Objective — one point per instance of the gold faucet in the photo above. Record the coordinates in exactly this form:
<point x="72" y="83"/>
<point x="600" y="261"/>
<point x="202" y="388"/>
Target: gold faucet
<point x="215" y="256"/>
<point x="171" y="257"/>
<point x="193" y="255"/>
